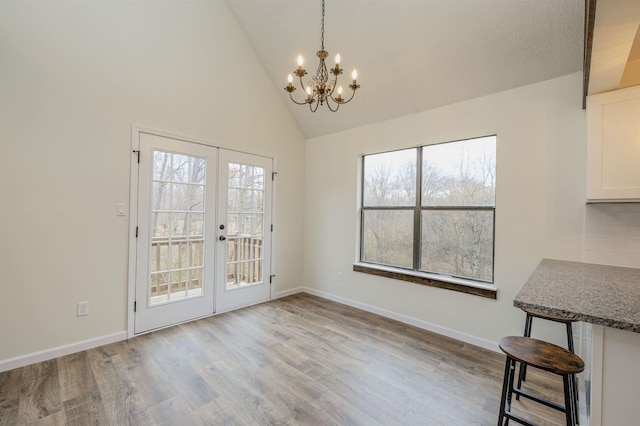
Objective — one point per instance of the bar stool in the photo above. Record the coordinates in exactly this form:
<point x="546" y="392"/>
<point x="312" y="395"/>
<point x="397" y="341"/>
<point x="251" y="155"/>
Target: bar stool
<point x="527" y="333"/>
<point x="545" y="356"/>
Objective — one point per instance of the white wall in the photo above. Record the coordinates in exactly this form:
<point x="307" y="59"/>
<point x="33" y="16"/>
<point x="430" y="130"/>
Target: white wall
<point x="539" y="204"/>
<point x="74" y="77"/>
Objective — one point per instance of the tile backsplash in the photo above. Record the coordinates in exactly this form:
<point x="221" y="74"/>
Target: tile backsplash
<point x="612" y="234"/>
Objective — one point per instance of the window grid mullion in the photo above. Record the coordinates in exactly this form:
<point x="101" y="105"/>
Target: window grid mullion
<point x="417" y="234"/>
<point x="462" y="208"/>
<point x="388" y="207"/>
<point x="362" y="211"/>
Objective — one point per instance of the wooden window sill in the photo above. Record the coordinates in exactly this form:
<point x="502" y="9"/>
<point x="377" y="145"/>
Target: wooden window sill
<point x="449" y="283"/>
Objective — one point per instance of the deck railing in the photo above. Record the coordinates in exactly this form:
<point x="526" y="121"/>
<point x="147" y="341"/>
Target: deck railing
<point x="243" y="258"/>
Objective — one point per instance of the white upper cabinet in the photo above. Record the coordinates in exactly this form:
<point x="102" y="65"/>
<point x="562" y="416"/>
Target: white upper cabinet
<point x="613" y="134"/>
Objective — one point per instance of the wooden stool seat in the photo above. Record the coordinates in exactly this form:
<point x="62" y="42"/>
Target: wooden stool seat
<point x="540" y="354"/>
<point x="545" y="356"/>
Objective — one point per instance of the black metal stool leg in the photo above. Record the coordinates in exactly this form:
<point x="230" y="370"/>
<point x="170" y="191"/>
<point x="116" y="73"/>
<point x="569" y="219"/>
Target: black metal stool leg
<point x="569" y="401"/>
<point x="574" y="396"/>
<point x="575" y="380"/>
<point x="523" y="368"/>
<point x="570" y="338"/>
<point x="507" y="387"/>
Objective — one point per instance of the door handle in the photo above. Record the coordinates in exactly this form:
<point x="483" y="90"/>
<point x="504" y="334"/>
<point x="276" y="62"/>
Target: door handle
<point x="222" y="238"/>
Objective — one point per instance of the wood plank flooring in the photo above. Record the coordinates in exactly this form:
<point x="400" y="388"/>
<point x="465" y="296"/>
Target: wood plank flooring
<point x="300" y="360"/>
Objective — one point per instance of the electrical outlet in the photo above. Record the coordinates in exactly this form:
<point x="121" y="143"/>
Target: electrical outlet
<point x="83" y="308"/>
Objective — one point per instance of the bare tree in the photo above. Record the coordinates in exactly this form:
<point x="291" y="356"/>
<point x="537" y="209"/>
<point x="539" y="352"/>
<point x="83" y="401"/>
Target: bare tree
<point x="461" y="242"/>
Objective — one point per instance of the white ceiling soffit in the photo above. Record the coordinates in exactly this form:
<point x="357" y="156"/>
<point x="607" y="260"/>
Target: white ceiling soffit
<point x="414" y="55"/>
<point x="614" y="60"/>
<point x="631" y="75"/>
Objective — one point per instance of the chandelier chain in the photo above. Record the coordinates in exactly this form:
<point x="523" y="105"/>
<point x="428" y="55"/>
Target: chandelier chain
<point x="322" y="29"/>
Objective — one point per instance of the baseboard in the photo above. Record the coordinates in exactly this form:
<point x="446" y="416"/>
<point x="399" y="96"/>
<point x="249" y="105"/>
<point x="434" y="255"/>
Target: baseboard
<point x="32" y="358"/>
<point x="463" y="337"/>
<point x="286" y="293"/>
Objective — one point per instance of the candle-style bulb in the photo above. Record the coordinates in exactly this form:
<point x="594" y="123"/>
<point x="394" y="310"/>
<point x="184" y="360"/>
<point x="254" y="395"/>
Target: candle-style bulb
<point x="308" y="90"/>
<point x="300" y="61"/>
<point x="354" y="75"/>
<point x="290" y="78"/>
<point x="339" y="90"/>
<point x="337" y="59"/>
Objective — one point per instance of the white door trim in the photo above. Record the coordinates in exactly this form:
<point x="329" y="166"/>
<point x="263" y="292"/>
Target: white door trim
<point x="136" y="130"/>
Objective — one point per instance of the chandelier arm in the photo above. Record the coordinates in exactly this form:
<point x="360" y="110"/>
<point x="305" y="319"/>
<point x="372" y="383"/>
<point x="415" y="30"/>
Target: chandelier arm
<point x="304" y="89"/>
<point x="353" y="93"/>
<point x="329" y="105"/>
<point x="296" y="102"/>
<point x="311" y="106"/>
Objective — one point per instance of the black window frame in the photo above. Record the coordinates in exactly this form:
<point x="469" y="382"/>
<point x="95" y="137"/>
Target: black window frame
<point x="417" y="209"/>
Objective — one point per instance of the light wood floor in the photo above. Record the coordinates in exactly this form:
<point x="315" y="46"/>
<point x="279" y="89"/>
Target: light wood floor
<point x="300" y="360"/>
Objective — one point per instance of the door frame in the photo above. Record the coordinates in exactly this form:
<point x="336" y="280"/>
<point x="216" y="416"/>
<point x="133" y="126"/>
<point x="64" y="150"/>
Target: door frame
<point x="136" y="130"/>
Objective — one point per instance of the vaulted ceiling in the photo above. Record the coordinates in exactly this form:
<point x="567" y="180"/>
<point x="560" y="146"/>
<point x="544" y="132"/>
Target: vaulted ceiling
<point x="414" y="55"/>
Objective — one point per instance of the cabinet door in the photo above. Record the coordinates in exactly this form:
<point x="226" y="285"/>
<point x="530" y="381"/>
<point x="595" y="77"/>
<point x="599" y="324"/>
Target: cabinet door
<point x="613" y="133"/>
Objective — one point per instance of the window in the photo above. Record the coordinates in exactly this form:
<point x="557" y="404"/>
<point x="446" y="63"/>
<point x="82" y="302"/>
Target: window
<point x="431" y="209"/>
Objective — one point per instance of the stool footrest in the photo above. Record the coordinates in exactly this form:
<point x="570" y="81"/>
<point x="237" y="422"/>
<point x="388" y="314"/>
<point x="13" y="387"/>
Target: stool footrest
<point x="519" y="419"/>
<point x="536" y="398"/>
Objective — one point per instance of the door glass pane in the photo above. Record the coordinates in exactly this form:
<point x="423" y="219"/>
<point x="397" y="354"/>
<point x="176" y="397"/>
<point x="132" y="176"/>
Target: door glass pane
<point x="196" y="198"/>
<point x="195" y="254"/>
<point x="160" y="225"/>
<point x="233" y="200"/>
<point x="196" y="226"/>
<point x="195" y="281"/>
<point x="256" y="225"/>
<point x="245" y="212"/>
<point x="159" y="286"/>
<point x="232" y="223"/>
<point x="197" y="170"/>
<point x="177" y="228"/>
<point x="179" y="198"/>
<point x="180" y="167"/>
<point x="161" y="196"/>
<point x="178" y="225"/>
<point x="162" y="167"/>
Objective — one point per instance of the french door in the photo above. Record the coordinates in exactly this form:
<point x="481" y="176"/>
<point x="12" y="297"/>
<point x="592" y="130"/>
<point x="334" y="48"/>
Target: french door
<point x="204" y="231"/>
<point x="176" y="232"/>
<point x="244" y="229"/>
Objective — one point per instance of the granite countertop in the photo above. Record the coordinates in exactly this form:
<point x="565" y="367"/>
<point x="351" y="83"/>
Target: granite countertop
<point x="598" y="294"/>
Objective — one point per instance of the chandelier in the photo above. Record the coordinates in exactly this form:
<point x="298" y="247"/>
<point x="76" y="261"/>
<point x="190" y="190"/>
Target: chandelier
<point x="320" y="89"/>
